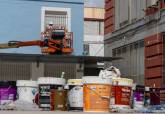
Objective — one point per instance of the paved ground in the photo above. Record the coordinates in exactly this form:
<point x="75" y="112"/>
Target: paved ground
<point x="42" y="112"/>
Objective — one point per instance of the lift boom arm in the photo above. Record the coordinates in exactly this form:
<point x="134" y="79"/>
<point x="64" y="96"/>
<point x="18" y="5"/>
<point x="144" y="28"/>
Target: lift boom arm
<point x="52" y="45"/>
<point x="17" y="44"/>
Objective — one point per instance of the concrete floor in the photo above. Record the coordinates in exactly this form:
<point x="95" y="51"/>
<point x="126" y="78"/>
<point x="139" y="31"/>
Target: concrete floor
<point x="43" y="112"/>
<point x="47" y="112"/>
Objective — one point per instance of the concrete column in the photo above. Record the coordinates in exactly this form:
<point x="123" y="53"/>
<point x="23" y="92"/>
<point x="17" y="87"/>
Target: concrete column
<point x="79" y="71"/>
<point x="37" y="70"/>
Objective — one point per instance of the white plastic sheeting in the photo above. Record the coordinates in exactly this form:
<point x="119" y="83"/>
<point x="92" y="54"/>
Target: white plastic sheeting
<point x="20" y="106"/>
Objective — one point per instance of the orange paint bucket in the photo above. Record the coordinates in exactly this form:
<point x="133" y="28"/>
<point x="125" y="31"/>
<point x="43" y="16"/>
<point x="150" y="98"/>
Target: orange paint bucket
<point x="96" y="94"/>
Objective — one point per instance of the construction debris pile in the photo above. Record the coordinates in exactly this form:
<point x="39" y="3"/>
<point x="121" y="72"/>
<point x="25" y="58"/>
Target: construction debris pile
<point x="107" y="92"/>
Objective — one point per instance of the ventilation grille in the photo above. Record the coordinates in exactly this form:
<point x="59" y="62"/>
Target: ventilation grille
<point x="15" y="71"/>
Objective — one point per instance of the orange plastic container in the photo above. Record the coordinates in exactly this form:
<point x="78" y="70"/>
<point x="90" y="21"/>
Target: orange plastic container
<point x="96" y="95"/>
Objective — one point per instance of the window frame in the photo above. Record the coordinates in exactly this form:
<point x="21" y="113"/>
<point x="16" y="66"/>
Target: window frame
<point x="56" y="9"/>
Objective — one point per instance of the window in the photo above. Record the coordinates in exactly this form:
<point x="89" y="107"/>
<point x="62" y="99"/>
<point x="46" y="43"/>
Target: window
<point x="114" y="52"/>
<point x="132" y="64"/>
<point x="86" y="49"/>
<point x="119" y="51"/>
<point x="124" y="49"/>
<point x="57" y="16"/>
<point x="94" y="28"/>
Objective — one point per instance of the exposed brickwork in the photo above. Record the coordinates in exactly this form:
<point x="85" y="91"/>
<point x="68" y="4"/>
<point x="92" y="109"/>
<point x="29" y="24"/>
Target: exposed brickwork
<point x="162" y="4"/>
<point x="157" y="82"/>
<point x="154" y="60"/>
<point x="109" y="16"/>
<point x="151" y="10"/>
<point x="155" y="8"/>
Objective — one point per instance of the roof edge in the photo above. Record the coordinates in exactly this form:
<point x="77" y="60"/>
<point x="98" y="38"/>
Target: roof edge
<point x="59" y="1"/>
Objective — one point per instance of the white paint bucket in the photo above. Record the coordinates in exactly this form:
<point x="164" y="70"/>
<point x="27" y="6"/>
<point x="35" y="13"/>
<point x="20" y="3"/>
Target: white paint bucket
<point x="75" y="94"/>
<point x="121" y="94"/>
<point x="27" y="90"/>
<point x="96" y="94"/>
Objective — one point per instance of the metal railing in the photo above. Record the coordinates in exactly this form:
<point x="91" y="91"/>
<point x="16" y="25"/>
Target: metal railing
<point x="57" y="20"/>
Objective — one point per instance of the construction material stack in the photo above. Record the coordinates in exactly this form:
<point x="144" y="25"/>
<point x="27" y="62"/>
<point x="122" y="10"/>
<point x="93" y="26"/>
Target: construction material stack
<point x="107" y="92"/>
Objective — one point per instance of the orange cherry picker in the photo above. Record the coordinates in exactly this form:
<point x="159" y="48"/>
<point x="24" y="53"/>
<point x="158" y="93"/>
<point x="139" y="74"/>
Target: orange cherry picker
<point x="54" y="40"/>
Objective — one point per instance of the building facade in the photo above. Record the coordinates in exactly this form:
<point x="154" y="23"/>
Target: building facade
<point x="32" y="66"/>
<point x="94" y="31"/>
<point x="134" y="30"/>
<point x="26" y="19"/>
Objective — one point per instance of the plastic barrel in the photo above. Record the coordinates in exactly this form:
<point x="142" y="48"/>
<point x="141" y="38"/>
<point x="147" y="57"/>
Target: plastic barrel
<point x="59" y="100"/>
<point x="139" y="96"/>
<point x="27" y="90"/>
<point x="8" y="91"/>
<point x="47" y="85"/>
<point x="96" y="94"/>
<point x="75" y="94"/>
<point x="121" y="94"/>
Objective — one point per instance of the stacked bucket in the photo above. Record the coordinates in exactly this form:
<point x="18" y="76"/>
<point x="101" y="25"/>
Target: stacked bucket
<point x="96" y="92"/>
<point x="106" y="94"/>
<point x="89" y="94"/>
<point x="75" y="94"/>
<point x="52" y="94"/>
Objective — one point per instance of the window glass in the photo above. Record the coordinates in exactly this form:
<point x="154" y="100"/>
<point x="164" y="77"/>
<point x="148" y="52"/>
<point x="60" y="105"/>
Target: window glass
<point x="93" y="28"/>
<point x="132" y="64"/>
<point x="102" y="28"/>
<point x="86" y="49"/>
